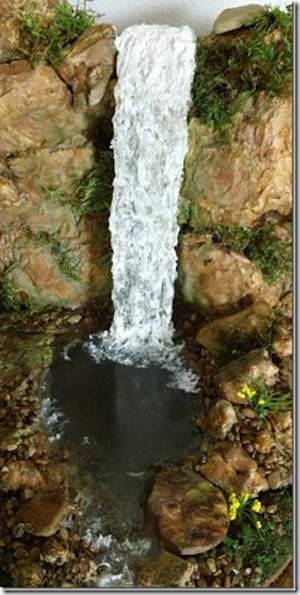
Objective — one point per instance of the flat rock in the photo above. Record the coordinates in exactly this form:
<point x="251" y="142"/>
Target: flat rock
<point x="235" y="18"/>
<point x="18" y="475"/>
<point x="166" y="570"/>
<point x="229" y="466"/>
<point x="232" y="377"/>
<point x="43" y="514"/>
<point x="252" y="320"/>
<point x="190" y="513"/>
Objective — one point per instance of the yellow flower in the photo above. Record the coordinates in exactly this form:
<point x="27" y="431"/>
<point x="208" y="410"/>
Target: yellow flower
<point x="261" y="402"/>
<point x="256" y="506"/>
<point x="258" y="525"/>
<point x="241" y="395"/>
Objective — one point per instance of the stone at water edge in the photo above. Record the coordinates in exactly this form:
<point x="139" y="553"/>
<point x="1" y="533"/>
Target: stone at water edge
<point x="244" y="370"/>
<point x="18" y="475"/>
<point x="219" y="420"/>
<point x="43" y="514"/>
<point x="166" y="570"/>
<point x="235" y="18"/>
<point x="190" y="513"/>
<point x="230" y="467"/>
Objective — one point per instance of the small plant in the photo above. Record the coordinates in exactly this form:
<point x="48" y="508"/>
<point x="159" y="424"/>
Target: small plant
<point x="264" y="400"/>
<point x="241" y="508"/>
<point x="61" y="255"/>
<point x="232" y="69"/>
<point x="45" y="41"/>
<point x="270" y="253"/>
<point x="8" y="295"/>
<point x="235" y="342"/>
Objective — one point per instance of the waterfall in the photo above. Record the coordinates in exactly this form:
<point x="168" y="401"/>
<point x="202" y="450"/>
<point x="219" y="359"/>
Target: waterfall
<point x="155" y="68"/>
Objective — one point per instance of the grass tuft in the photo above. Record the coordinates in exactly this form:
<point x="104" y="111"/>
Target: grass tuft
<point x="232" y="69"/>
<point x="45" y="41"/>
<point x="94" y="192"/>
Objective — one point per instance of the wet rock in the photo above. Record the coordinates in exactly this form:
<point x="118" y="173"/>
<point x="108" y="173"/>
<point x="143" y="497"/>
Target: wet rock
<point x="235" y="18"/>
<point x="21" y="475"/>
<point x="43" y="514"/>
<point x="232" y="377"/>
<point x="220" y="419"/>
<point x="56" y="552"/>
<point x="89" y="64"/>
<point x="219" y="185"/>
<point x="229" y="466"/>
<point x="166" y="570"/>
<point x="249" y="321"/>
<point x="190" y="513"/>
<point x="214" y="279"/>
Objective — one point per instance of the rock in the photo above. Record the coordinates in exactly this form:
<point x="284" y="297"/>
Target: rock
<point x="235" y="18"/>
<point x="36" y="107"/>
<point x="221" y="187"/>
<point x="190" y="513"/>
<point x="21" y="475"/>
<point x="43" y="514"/>
<point x="282" y="420"/>
<point x="88" y="65"/>
<point x="279" y="479"/>
<point x="166" y="570"/>
<point x="283" y="341"/>
<point x="220" y="419"/>
<point x="214" y="279"/>
<point x="229" y="466"/>
<point x="251" y="321"/>
<point x="232" y="377"/>
<point x="56" y="552"/>
<point x="28" y="574"/>
<point x="264" y="442"/>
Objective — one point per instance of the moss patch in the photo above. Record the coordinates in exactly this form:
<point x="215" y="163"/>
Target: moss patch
<point x="232" y="68"/>
<point x="45" y="41"/>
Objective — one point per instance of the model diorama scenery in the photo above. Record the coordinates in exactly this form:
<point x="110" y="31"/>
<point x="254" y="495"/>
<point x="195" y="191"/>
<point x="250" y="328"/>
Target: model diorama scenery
<point x="145" y="300"/>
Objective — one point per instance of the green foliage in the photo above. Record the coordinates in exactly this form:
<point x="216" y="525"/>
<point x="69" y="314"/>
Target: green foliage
<point x="231" y="69"/>
<point x="94" y="192"/>
<point x="11" y="300"/>
<point x="62" y="256"/>
<point x="267" y="549"/>
<point x="265" y="400"/>
<point x="271" y="254"/>
<point x="236" y="342"/>
<point x="45" y="41"/>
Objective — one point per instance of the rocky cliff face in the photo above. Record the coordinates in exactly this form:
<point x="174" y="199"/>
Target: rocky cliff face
<point x="53" y="251"/>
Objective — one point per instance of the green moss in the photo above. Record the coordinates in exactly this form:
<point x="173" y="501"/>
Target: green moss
<point x="236" y="342"/>
<point x="45" y="41"/>
<point x="231" y="69"/>
<point x="94" y="191"/>
<point x="11" y="300"/>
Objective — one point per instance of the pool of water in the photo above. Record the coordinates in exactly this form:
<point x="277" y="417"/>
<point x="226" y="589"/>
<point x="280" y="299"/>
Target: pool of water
<point x="117" y="422"/>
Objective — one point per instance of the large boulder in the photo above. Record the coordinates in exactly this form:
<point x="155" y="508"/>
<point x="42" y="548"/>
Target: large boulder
<point x="190" y="513"/>
<point x="215" y="280"/>
<point x="239" y="182"/>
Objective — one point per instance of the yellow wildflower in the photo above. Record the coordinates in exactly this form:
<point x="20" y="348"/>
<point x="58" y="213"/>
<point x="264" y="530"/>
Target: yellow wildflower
<point x="261" y="402"/>
<point x="246" y="392"/>
<point x="241" y="395"/>
<point x="258" y="525"/>
<point x="256" y="506"/>
<point x="234" y="506"/>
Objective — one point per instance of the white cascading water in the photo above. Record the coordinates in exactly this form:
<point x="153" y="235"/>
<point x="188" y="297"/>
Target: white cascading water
<point x="155" y="68"/>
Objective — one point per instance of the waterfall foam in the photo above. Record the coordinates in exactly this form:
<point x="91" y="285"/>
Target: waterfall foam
<point x="155" y="68"/>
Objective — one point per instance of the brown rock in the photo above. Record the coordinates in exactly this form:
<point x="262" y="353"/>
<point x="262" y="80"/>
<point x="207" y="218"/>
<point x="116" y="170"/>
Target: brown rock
<point x="220" y="419"/>
<point x="21" y="475"/>
<point x="56" y="552"/>
<point x="166" y="570"/>
<point x="283" y="420"/>
<point x="43" y="514"/>
<point x="235" y="18"/>
<point x="214" y="279"/>
<point x="279" y="479"/>
<point x="89" y="64"/>
<point x="229" y="466"/>
<point x="283" y="341"/>
<point x="219" y="183"/>
<point x="252" y="320"/>
<point x="36" y="107"/>
<point x="191" y="514"/>
<point x="232" y="377"/>
<point x="28" y="574"/>
<point x="264" y="442"/>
